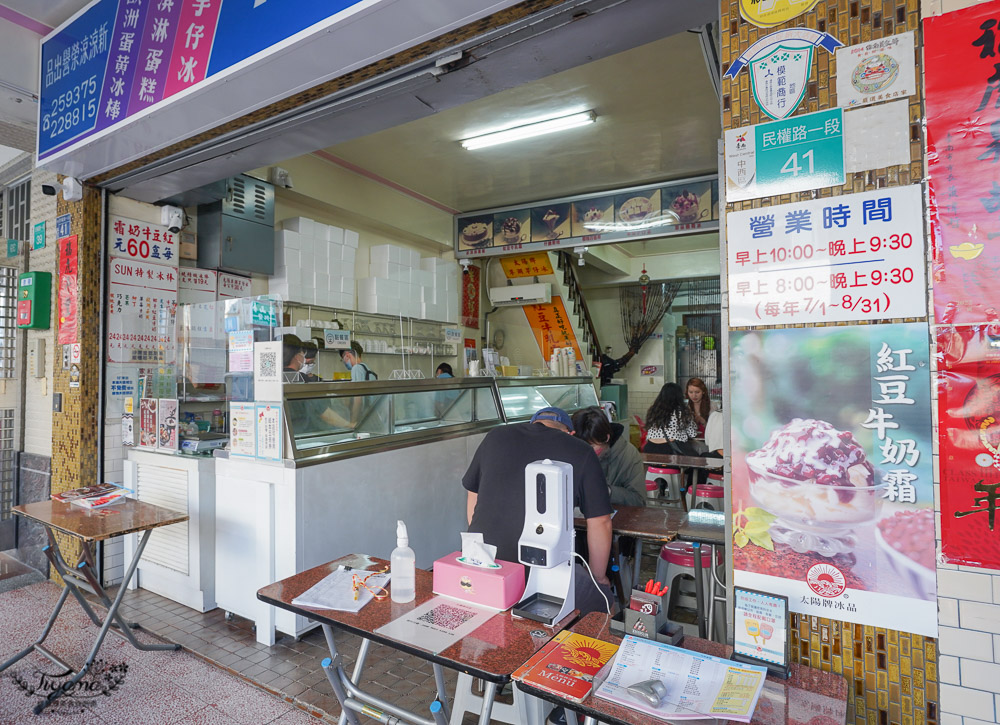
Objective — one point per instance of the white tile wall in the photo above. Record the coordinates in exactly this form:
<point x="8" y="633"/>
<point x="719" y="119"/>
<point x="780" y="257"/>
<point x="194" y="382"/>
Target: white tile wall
<point x="968" y="703"/>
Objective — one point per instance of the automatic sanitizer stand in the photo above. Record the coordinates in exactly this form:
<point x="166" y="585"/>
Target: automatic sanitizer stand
<point x="547" y="542"/>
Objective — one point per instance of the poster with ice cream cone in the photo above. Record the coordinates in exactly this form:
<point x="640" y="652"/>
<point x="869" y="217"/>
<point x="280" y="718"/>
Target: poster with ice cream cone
<point x="832" y="486"/>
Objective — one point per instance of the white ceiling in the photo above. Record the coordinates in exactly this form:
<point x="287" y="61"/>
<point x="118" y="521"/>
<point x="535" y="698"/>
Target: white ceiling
<point x="19" y="43"/>
<point x="49" y="12"/>
<point x="653" y="123"/>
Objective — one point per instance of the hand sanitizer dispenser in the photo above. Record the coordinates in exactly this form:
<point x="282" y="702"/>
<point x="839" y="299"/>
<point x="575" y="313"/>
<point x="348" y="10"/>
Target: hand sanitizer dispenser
<point x="547" y="542"/>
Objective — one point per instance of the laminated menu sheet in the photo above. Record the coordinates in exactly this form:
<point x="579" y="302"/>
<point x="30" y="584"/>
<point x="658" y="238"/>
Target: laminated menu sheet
<point x="697" y="685"/>
<point x="336" y="591"/>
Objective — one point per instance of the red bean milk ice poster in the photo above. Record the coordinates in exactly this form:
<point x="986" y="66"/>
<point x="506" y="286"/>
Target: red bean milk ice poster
<point x="963" y="161"/>
<point x="968" y="384"/>
<point x="832" y="487"/>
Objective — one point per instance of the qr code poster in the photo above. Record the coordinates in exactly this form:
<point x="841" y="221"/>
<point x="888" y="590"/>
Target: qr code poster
<point x="437" y="623"/>
<point x="267" y="370"/>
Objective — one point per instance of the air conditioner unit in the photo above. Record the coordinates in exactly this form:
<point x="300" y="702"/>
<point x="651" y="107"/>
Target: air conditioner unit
<point x="521" y="294"/>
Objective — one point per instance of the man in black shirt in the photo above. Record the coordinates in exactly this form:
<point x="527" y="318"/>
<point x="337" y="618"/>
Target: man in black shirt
<point x="495" y="486"/>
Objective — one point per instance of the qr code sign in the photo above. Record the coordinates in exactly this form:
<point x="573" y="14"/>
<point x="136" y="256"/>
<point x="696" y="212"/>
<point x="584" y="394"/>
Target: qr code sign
<point x="447" y="617"/>
<point x="269" y="365"/>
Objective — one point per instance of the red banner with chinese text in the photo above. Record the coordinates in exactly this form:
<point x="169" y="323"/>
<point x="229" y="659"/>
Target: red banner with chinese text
<point x="962" y="77"/>
<point x="552" y="327"/>
<point x="470" y="297"/>
<point x="968" y="381"/>
<point x="68" y="289"/>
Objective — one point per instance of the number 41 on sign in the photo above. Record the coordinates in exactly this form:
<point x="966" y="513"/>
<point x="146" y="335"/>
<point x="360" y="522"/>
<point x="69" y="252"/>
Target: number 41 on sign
<point x="794" y="154"/>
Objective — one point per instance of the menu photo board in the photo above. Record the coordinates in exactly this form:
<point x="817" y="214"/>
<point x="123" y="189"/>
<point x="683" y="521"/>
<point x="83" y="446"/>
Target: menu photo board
<point x="643" y="212"/>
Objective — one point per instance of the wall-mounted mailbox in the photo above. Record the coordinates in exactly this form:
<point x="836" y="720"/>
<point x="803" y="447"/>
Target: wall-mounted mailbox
<point x="34" y="300"/>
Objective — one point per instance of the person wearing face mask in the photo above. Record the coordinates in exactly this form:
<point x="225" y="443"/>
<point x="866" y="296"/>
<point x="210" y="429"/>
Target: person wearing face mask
<point x="308" y="370"/>
<point x="293" y="357"/>
<point x="352" y="361"/>
<point x="619" y="459"/>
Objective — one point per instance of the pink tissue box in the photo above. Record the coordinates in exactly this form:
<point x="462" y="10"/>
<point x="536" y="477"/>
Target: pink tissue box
<point x="497" y="588"/>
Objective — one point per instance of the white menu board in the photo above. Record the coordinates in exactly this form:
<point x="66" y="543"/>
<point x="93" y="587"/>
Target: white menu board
<point x="851" y="257"/>
<point x="232" y="285"/>
<point x="269" y="440"/>
<point x="142" y="303"/>
<point x="196" y="285"/>
<point x="143" y="242"/>
<point x="242" y="438"/>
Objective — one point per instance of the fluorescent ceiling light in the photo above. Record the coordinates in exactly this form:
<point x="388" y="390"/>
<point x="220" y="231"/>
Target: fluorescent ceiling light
<point x="528" y="130"/>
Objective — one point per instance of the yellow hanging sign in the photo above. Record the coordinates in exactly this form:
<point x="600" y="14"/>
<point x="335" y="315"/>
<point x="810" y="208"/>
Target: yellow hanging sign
<point x="768" y="13"/>
<point x="526" y="265"/>
<point x="551" y="327"/>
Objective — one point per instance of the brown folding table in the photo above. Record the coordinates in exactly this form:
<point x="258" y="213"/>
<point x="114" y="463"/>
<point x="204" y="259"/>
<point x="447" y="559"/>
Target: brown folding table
<point x="90" y="526"/>
<point x="797" y="699"/>
<point x="491" y="653"/>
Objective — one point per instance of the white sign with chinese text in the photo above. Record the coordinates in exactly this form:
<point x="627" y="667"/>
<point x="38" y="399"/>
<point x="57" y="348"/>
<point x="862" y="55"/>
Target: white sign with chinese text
<point x="878" y="70"/>
<point x="269" y="440"/>
<point x="196" y="285"/>
<point x="143" y="242"/>
<point x="851" y="257"/>
<point x="142" y="306"/>
<point x="232" y="285"/>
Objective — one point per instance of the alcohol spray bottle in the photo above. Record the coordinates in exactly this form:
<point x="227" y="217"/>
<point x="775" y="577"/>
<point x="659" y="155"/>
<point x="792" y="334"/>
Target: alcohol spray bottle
<point x="402" y="563"/>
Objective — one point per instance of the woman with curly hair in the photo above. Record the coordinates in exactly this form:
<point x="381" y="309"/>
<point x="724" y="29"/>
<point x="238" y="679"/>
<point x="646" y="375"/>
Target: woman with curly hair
<point x="670" y="426"/>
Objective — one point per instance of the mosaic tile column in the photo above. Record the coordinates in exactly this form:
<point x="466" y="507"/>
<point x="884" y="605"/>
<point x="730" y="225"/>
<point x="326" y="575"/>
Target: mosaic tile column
<point x="892" y="676"/>
<point x="75" y="430"/>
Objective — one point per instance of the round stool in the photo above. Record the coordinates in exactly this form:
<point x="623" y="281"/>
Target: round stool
<point x="716" y="476"/>
<point x="666" y="479"/>
<point x="710" y="497"/>
<point x="652" y="489"/>
<point x="675" y="569"/>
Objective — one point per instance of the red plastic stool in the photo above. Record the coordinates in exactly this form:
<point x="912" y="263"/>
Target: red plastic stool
<point x="708" y="497"/>
<point x="677" y="560"/>
<point x="667" y="479"/>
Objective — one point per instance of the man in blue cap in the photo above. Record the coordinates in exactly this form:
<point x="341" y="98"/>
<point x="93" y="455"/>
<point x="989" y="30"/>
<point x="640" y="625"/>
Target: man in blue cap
<point x="495" y="486"/>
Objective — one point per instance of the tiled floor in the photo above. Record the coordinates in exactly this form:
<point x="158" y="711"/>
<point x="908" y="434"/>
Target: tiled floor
<point x="130" y="687"/>
<point x="212" y="680"/>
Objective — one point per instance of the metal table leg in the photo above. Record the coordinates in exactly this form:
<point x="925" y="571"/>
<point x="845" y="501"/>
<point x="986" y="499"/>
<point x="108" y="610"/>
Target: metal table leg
<point x="699" y="590"/>
<point x="84" y="578"/>
<point x="354" y="700"/>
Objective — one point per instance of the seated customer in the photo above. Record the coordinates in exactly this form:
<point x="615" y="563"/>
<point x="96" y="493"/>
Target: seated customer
<point x="620" y="461"/>
<point x="670" y="427"/>
<point x="444" y="371"/>
<point x="714" y="436"/>
<point x="495" y="494"/>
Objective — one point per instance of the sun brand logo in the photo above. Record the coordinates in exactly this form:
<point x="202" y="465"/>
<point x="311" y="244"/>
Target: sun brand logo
<point x="826" y="580"/>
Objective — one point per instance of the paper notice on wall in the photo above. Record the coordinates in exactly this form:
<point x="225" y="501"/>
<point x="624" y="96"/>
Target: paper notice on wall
<point x="231" y="285"/>
<point x="196" y="285"/>
<point x="877" y="136"/>
<point x="122" y="385"/>
<point x="242" y="438"/>
<point x="876" y="71"/>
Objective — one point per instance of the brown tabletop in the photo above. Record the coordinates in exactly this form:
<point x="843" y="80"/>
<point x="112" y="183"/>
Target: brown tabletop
<point x="126" y="517"/>
<point x="491" y="652"/>
<point x="653" y="459"/>
<point x="649" y="523"/>
<point x="794" y="701"/>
